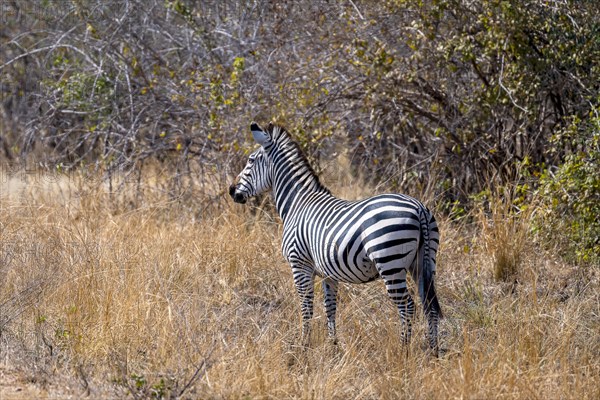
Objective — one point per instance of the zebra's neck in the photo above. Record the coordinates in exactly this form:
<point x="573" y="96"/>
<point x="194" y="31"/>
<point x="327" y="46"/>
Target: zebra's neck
<point x="293" y="177"/>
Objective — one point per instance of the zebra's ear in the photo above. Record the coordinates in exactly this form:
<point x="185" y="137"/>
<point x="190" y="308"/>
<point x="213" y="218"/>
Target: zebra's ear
<point x="261" y="137"/>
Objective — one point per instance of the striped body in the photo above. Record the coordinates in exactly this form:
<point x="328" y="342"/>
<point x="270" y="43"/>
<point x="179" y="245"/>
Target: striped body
<point x="348" y="241"/>
<point x="343" y="241"/>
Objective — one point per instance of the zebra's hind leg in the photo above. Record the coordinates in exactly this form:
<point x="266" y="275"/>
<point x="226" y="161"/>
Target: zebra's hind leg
<point x="304" y="281"/>
<point x="395" y="284"/>
<point x="406" y="307"/>
<point x="433" y="319"/>
<point x="330" y="288"/>
<point x="431" y="312"/>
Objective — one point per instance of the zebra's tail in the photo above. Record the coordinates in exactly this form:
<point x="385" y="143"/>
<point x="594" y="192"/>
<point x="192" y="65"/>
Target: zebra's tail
<point x="427" y="274"/>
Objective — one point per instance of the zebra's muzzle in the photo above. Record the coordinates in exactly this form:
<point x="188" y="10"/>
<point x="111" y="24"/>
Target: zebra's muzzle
<point x="236" y="196"/>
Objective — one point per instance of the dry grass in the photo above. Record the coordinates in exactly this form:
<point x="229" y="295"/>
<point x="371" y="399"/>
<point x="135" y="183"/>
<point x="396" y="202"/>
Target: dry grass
<point x="505" y="235"/>
<point x="153" y="302"/>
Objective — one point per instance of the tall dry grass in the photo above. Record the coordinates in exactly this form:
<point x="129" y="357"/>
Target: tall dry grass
<point x="155" y="302"/>
<point x="505" y="234"/>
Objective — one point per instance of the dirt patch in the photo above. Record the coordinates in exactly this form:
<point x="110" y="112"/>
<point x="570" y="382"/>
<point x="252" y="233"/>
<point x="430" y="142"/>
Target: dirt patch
<point x="16" y="385"/>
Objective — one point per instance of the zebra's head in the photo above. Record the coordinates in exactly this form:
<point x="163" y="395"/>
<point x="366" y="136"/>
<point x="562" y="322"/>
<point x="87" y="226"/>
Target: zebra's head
<point x="256" y="177"/>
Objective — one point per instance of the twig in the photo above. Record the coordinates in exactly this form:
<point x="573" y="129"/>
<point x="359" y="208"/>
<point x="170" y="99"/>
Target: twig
<point x="200" y="371"/>
<point x="53" y="47"/>
<point x="504" y="87"/>
<point x="357" y="10"/>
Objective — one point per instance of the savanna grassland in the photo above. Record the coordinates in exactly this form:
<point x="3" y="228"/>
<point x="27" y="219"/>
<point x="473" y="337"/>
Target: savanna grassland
<point x="127" y="272"/>
<point x="155" y="301"/>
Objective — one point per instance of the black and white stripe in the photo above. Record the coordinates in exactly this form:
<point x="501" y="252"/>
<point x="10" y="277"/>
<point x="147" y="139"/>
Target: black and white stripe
<point x="343" y="241"/>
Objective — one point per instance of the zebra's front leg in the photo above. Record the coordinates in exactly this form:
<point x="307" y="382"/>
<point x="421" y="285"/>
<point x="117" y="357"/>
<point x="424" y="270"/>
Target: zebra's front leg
<point x="330" y="288"/>
<point x="395" y="283"/>
<point x="304" y="281"/>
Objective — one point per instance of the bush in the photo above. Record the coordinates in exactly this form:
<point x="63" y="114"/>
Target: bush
<point x="571" y="192"/>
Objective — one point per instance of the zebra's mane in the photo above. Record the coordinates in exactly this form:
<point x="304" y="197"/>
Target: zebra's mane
<point x="282" y="139"/>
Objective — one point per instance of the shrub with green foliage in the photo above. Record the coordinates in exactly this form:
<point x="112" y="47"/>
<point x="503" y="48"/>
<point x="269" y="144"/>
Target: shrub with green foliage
<point x="571" y="192"/>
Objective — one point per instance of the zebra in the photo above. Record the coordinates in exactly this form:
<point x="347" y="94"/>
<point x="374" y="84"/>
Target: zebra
<point x="343" y="241"/>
